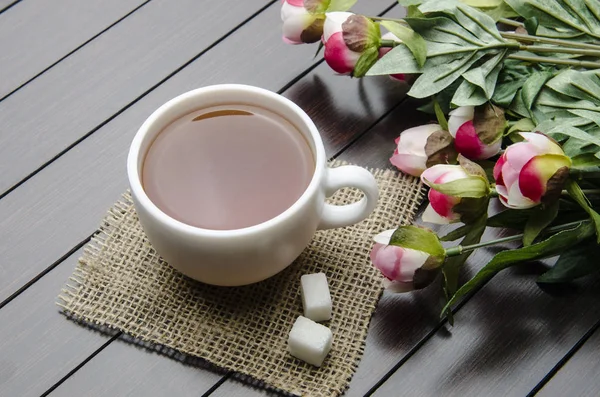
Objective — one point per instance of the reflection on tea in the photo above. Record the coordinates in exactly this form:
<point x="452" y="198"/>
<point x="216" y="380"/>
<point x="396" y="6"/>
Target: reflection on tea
<point x="227" y="167"/>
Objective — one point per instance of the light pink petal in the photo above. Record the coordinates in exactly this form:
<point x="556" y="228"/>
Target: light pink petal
<point x="290" y="11"/>
<point x="510" y="176"/>
<point x="490" y="150"/>
<point x="397" y="286"/>
<point x="375" y="250"/>
<point x="333" y="23"/>
<point x="502" y="191"/>
<point x="543" y="144"/>
<point x="433" y="174"/>
<point x="295" y="25"/>
<point x="297" y="3"/>
<point x="387" y="260"/>
<point x="411" y="261"/>
<point x="430" y="216"/>
<point x="410" y="164"/>
<point x="338" y="56"/>
<point x="413" y="140"/>
<point x="384" y="237"/>
<point x="517" y="200"/>
<point x="518" y="154"/>
<point x="458" y="117"/>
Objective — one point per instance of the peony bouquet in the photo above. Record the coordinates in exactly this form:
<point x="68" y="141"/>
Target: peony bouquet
<point x="515" y="88"/>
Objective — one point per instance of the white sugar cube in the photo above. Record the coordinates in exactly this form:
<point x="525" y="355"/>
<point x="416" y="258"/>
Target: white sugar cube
<point x="309" y="341"/>
<point x="316" y="299"/>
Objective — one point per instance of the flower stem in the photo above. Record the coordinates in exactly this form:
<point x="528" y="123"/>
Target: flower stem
<point x="556" y="61"/>
<point x="389" y="43"/>
<point x="402" y="21"/>
<point x="459" y="249"/>
<point x="510" y="22"/>
<point x="585" y="191"/>
<point x="547" y="40"/>
<point x="577" y="51"/>
<point x="582" y="173"/>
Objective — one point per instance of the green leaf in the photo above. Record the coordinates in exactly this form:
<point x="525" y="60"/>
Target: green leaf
<point x="486" y="75"/>
<point x="365" y="62"/>
<point x="435" y="79"/>
<point x="340" y="5"/>
<point x="539" y="219"/>
<point x="577" y="194"/>
<point x="532" y="88"/>
<point x="483" y="3"/>
<point x="476" y="22"/>
<point x="456" y="233"/>
<point x="575" y="262"/>
<point x="472" y="186"/>
<point x="512" y="219"/>
<point x="523" y="125"/>
<point x="398" y="60"/>
<point x="452" y="266"/>
<point x="417" y="238"/>
<point x="415" y="43"/>
<point x="575" y="133"/>
<point x="567" y="17"/>
<point x="439" y="114"/>
<point x="408" y="3"/>
<point x="585" y="160"/>
<point x="468" y="94"/>
<point x="552" y="246"/>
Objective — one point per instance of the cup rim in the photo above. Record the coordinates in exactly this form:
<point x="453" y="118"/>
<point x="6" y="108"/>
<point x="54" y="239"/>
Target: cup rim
<point x="133" y="157"/>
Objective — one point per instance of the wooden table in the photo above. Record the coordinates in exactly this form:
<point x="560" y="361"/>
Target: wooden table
<point x="78" y="77"/>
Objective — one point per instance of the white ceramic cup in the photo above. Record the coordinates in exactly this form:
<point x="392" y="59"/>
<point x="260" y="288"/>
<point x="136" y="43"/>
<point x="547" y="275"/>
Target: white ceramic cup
<point x="244" y="256"/>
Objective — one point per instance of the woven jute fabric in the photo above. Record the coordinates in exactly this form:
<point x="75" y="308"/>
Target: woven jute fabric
<point x="122" y="284"/>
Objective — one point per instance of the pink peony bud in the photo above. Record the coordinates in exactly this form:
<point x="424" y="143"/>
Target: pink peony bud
<point x="346" y="38"/>
<point x="445" y="208"/>
<point x="477" y="131"/>
<point x="405" y="269"/>
<point x="422" y="146"/>
<point x="302" y="20"/>
<point x="531" y="172"/>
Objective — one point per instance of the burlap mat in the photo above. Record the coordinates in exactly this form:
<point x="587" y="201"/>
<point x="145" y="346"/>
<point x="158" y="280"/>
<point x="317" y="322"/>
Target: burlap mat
<point x="121" y="283"/>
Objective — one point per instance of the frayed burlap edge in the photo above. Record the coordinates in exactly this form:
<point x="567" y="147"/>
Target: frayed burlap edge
<point x="120" y="283"/>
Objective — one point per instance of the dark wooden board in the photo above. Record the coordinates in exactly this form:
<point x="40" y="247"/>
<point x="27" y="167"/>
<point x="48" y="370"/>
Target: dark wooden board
<point x="505" y="339"/>
<point x="579" y="376"/>
<point x="75" y="191"/>
<point x="124" y="369"/>
<point x="86" y="89"/>
<point x="100" y="171"/>
<point x="35" y="340"/>
<point x="37" y="33"/>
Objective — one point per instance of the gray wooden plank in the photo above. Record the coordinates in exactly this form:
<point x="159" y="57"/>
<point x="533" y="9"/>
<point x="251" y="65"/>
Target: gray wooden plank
<point x="6" y="3"/>
<point x="84" y="90"/>
<point x="36" y="33"/>
<point x="134" y="371"/>
<point x="35" y="339"/>
<point x="579" y="376"/>
<point x="64" y="203"/>
<point x="505" y="340"/>
<point x="38" y="347"/>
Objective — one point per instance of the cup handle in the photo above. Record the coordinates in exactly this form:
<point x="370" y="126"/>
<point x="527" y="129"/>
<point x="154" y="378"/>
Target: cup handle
<point x="344" y="215"/>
